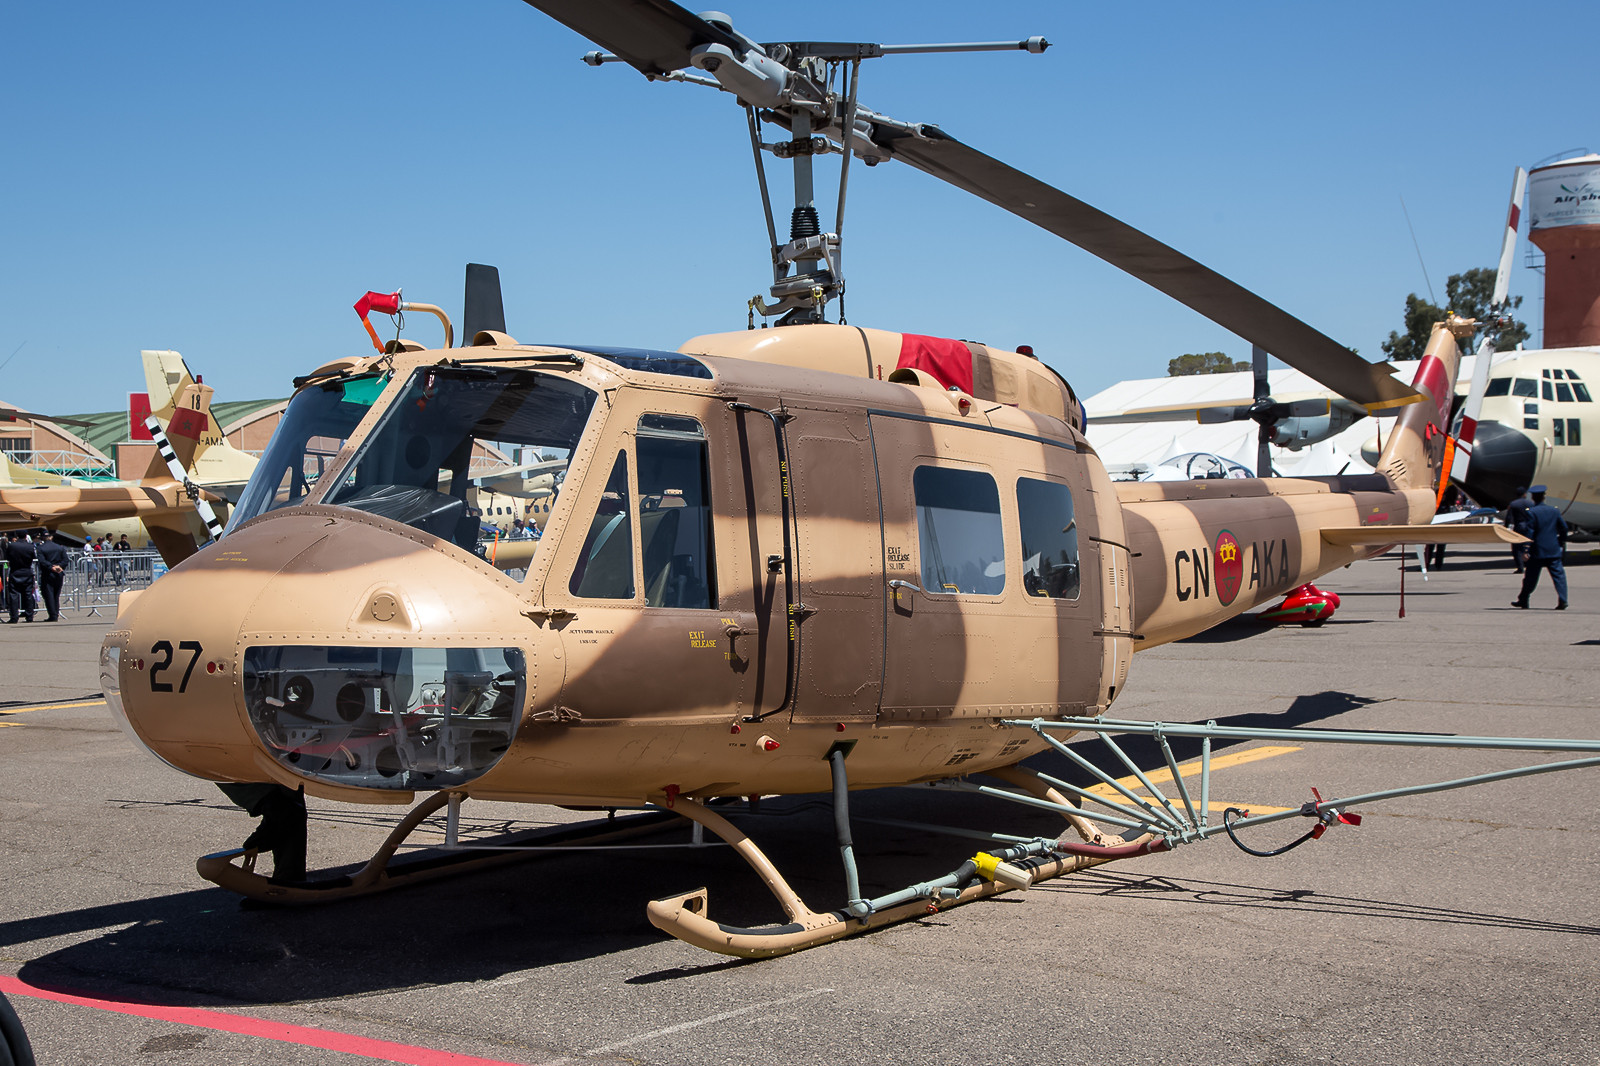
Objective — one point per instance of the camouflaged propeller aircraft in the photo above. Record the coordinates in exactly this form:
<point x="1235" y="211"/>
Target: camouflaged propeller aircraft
<point x="778" y="561"/>
<point x="167" y="501"/>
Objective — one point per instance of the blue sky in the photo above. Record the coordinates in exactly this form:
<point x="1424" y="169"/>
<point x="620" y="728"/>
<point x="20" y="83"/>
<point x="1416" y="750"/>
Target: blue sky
<point x="226" y="179"/>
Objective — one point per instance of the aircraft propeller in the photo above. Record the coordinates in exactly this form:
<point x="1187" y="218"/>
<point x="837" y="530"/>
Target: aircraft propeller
<point x="1264" y="411"/>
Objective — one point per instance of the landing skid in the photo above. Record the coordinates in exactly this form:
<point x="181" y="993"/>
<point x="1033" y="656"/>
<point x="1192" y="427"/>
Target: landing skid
<point x="234" y="869"/>
<point x="1149" y="820"/>
<point x="1134" y="802"/>
<point x="986" y="874"/>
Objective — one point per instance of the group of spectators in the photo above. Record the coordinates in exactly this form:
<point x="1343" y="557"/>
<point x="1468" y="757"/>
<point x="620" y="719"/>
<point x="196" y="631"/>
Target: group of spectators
<point x="36" y="565"/>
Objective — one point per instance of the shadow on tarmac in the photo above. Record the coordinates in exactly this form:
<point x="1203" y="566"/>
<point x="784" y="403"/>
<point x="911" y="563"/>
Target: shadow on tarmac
<point x="1246" y="626"/>
<point x="1146" y="753"/>
<point x="201" y="948"/>
<point x="1102" y="882"/>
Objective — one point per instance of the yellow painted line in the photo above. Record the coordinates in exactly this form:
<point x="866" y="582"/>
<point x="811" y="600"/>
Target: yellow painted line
<point x="51" y="706"/>
<point x="1192" y="769"/>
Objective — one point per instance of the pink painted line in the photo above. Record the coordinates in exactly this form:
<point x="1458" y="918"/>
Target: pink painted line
<point x="244" y="1025"/>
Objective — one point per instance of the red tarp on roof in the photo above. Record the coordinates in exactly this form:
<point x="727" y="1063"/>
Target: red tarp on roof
<point x="947" y="360"/>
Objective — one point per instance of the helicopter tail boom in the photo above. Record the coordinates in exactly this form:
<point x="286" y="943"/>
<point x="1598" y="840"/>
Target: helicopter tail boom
<point x="1413" y="456"/>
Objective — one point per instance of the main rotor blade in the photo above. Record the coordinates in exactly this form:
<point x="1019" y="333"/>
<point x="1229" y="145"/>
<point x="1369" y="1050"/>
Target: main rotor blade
<point x="652" y="36"/>
<point x="1224" y="302"/>
<point x="1258" y="370"/>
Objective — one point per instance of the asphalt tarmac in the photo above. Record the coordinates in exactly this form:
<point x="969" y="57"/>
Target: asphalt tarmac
<point x="1455" y="928"/>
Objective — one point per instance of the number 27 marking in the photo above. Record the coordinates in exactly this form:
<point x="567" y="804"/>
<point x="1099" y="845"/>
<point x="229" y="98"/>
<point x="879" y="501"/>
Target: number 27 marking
<point x="164" y="649"/>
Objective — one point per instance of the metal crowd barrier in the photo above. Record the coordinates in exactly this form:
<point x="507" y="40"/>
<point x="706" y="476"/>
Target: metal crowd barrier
<point x="93" y="582"/>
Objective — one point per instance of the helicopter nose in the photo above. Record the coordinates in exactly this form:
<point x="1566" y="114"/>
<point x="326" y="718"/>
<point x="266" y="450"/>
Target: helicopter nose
<point x="1503" y="461"/>
<point x="319" y="650"/>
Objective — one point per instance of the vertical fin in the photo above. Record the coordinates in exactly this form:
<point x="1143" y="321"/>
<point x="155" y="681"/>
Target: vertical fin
<point x="1413" y="456"/>
<point x="186" y="426"/>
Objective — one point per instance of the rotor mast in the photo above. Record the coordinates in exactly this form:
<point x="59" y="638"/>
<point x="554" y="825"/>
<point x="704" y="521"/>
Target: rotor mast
<point x="795" y="85"/>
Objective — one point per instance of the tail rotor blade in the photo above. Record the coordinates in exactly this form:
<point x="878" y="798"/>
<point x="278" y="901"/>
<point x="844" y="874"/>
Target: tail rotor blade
<point x="1508" y="244"/>
<point x="1468" y="432"/>
<point x="482" y="308"/>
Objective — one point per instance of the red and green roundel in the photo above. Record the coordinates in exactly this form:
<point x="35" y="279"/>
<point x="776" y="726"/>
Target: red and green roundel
<point x="1228" y="559"/>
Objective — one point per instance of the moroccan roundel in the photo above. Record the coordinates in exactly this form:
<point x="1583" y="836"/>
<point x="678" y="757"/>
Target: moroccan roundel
<point x="1229" y="561"/>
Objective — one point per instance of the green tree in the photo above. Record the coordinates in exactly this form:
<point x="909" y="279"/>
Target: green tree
<point x="1468" y="295"/>
<point x="1419" y="322"/>
<point x="1203" y="363"/>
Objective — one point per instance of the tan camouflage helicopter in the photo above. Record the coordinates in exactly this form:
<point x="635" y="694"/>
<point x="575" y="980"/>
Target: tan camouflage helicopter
<point x="809" y="558"/>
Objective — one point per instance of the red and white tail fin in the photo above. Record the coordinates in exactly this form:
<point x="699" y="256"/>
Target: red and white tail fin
<point x="1480" y="371"/>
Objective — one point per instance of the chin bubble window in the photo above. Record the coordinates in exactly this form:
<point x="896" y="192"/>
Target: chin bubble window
<point x="397" y="718"/>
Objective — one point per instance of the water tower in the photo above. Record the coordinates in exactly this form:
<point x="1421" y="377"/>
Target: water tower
<point x="1564" y="221"/>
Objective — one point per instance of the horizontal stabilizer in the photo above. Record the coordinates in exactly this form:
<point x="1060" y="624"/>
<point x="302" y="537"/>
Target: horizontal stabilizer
<point x="1430" y="534"/>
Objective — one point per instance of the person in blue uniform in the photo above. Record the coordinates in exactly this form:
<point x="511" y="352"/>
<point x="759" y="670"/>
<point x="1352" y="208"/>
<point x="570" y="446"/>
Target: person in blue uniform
<point x="1548" y="531"/>
<point x="19" y="555"/>
<point x="53" y="565"/>
<point x="1516" y="519"/>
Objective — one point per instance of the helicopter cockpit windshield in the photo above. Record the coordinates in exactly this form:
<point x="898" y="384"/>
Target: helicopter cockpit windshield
<point x="453" y="428"/>
<point x="314" y="427"/>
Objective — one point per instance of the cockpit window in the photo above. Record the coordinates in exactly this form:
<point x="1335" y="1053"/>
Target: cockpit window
<point x="314" y="427"/>
<point x="453" y="431"/>
<point x="1525" y="387"/>
<point x="1498" y="387"/>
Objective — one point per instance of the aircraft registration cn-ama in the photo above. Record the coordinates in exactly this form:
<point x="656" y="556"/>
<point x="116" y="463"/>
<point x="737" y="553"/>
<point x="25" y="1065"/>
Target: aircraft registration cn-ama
<point x="809" y="558"/>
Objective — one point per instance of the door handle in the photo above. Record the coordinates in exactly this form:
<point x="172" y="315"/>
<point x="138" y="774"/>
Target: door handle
<point x="900" y="583"/>
<point x="733" y="633"/>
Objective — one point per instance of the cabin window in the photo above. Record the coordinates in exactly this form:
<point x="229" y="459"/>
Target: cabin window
<point x="1498" y="387"/>
<point x="1574" y="433"/>
<point x="675" y="513"/>
<point x="959" y="534"/>
<point x="1558" y="430"/>
<point x="1563" y="392"/>
<point x="1525" y="387"/>
<point x="605" y="565"/>
<point x="1049" y="539"/>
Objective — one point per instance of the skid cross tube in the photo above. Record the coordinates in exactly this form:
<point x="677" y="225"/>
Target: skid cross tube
<point x="1197" y="826"/>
